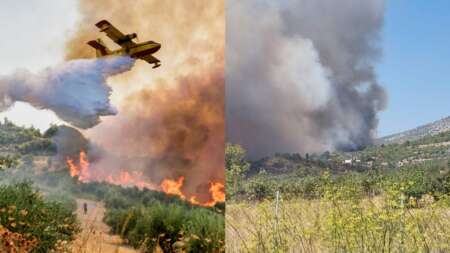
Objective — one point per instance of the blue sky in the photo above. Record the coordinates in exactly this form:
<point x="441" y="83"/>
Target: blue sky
<point x="415" y="68"/>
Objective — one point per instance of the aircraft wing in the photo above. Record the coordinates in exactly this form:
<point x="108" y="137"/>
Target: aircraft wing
<point x="114" y="34"/>
<point x="152" y="60"/>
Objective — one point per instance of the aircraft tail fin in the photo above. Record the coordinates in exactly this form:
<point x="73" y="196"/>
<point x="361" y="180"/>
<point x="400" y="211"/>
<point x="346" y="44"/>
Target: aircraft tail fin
<point x="100" y="47"/>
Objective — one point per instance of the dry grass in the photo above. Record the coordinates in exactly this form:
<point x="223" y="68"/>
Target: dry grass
<point x="95" y="237"/>
<point x="330" y="226"/>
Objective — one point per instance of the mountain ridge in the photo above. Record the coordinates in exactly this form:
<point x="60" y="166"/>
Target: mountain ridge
<point x="433" y="128"/>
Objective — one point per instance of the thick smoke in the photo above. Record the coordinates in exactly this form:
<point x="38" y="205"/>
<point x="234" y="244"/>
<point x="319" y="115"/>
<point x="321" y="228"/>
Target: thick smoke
<point x="69" y="141"/>
<point x="300" y="74"/>
<point x="75" y="90"/>
<point x="170" y="120"/>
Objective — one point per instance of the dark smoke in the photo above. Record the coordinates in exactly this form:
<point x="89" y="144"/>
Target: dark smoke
<point x="69" y="141"/>
<point x="300" y="74"/>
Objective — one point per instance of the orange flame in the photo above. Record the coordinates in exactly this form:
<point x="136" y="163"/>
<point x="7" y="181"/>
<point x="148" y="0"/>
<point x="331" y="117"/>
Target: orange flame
<point x="217" y="191"/>
<point x="83" y="170"/>
<point x="169" y="186"/>
<point x="72" y="168"/>
<point x="86" y="175"/>
<point x="84" y="165"/>
<point x="129" y="179"/>
<point x="173" y="187"/>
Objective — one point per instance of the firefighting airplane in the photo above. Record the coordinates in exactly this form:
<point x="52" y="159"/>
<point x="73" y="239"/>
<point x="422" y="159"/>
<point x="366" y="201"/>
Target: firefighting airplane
<point x="141" y="51"/>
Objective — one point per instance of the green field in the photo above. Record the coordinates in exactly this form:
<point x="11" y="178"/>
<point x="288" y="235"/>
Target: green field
<point x="387" y="198"/>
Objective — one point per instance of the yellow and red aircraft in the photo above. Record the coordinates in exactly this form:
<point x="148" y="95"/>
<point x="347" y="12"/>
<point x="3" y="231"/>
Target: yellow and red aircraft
<point x="143" y="51"/>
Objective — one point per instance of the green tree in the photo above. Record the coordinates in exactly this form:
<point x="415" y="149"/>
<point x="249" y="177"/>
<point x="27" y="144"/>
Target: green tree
<point x="51" y="131"/>
<point x="236" y="167"/>
<point x="8" y="162"/>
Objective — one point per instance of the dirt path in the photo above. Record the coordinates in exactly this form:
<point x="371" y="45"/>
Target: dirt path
<point x="94" y="237"/>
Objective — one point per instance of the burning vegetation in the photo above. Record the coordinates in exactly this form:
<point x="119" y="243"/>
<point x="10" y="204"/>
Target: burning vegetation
<point x="169" y="125"/>
<point x="161" y="130"/>
<point x="82" y="170"/>
<point x="173" y="187"/>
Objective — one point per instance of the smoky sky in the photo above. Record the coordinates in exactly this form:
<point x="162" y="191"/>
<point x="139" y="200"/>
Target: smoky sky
<point x="300" y="74"/>
<point x="170" y="120"/>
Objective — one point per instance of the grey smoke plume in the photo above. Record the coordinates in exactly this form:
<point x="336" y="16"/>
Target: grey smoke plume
<point x="69" y="141"/>
<point x="75" y="90"/>
<point x="300" y="74"/>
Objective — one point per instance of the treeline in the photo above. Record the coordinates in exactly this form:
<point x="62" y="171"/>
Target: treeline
<point x="430" y="178"/>
<point x="26" y="140"/>
<point x="352" y="207"/>
<point x="305" y="177"/>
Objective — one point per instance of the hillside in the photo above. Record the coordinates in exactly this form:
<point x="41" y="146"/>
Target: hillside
<point x="425" y="160"/>
<point x="425" y="143"/>
<point x="37" y="189"/>
<point x="320" y="201"/>
<point x="334" y="201"/>
<point x="377" y="157"/>
<point x="433" y="128"/>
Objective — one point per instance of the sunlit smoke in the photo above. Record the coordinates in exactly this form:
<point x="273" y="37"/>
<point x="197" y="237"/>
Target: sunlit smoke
<point x="170" y="120"/>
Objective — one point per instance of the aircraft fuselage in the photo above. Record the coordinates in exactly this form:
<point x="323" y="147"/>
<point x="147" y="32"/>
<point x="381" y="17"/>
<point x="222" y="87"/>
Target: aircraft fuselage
<point x="130" y="48"/>
<point x="140" y="50"/>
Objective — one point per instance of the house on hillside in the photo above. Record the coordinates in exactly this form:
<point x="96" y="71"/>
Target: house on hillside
<point x="347" y="162"/>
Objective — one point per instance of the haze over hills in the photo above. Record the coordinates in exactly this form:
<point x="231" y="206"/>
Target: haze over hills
<point x="433" y="128"/>
<point x="427" y="143"/>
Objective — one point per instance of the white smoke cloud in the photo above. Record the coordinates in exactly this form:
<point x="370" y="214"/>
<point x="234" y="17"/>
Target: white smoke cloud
<point x="75" y="90"/>
<point x="300" y="74"/>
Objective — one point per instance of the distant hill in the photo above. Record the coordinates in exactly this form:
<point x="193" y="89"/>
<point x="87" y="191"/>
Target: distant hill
<point x="433" y="146"/>
<point x="433" y="128"/>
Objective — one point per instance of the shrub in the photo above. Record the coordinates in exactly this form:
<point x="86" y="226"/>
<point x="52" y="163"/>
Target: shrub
<point x="338" y="222"/>
<point x="7" y="162"/>
<point x="25" y="211"/>
<point x="260" y="187"/>
<point x="37" y="146"/>
<point x="172" y="227"/>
